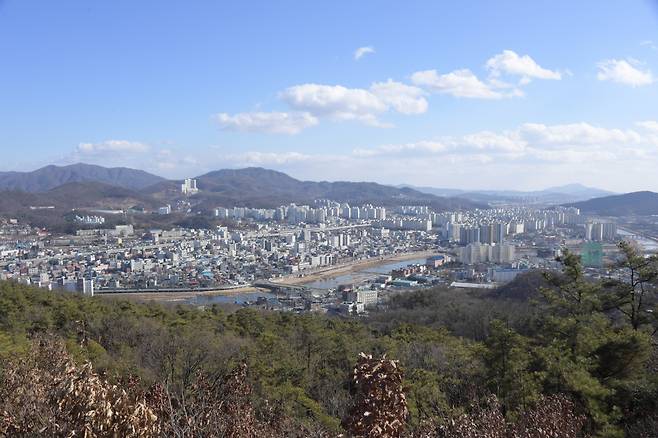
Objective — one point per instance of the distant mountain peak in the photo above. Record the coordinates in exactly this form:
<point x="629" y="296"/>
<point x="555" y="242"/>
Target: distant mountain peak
<point x="52" y="176"/>
<point x="576" y="189"/>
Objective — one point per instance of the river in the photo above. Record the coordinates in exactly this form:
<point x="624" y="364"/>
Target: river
<point x="356" y="276"/>
<point x="648" y="245"/>
<point x="361" y="275"/>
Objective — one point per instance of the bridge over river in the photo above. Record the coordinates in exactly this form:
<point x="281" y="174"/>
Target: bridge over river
<point x="287" y="288"/>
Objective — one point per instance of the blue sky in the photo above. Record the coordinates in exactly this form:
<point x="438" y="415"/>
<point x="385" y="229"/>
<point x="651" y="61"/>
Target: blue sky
<point x="475" y="94"/>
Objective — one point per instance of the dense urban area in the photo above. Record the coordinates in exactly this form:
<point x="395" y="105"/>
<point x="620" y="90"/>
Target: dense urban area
<point x="295" y="257"/>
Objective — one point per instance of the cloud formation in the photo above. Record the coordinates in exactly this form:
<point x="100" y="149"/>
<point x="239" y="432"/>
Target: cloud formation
<point x="364" y="105"/>
<point x="112" y="146"/>
<point x="335" y="101"/>
<point x="267" y="122"/>
<point x="405" y="99"/>
<point x="361" y="51"/>
<point x="459" y="83"/>
<point x="311" y="102"/>
<point x="509" y="62"/>
<point x="465" y="84"/>
<point x="537" y="141"/>
<point x="530" y="156"/>
<point x="626" y="72"/>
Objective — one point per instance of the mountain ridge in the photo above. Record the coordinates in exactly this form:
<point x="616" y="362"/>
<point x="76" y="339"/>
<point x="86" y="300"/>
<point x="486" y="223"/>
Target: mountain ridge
<point x="642" y="203"/>
<point x="252" y="183"/>
<point x="248" y="187"/>
<point x="49" y="177"/>
<point x="573" y="192"/>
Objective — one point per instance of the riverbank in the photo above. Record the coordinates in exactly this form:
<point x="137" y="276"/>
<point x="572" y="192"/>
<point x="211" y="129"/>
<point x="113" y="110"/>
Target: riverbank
<point x="321" y="274"/>
<point x="360" y="265"/>
<point x="180" y="296"/>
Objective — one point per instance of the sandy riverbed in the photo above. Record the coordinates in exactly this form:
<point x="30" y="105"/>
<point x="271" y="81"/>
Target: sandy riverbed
<point x="334" y="271"/>
<point x="181" y="296"/>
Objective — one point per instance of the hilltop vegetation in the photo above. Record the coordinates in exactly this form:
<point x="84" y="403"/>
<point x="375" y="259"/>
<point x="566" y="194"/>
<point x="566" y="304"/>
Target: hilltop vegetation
<point x="636" y="203"/>
<point x="50" y="177"/>
<point x="258" y="187"/>
<point x="581" y="364"/>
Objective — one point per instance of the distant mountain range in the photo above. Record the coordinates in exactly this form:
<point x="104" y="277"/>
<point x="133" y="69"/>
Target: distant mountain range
<point x="635" y="203"/>
<point x="258" y="187"/>
<point x="552" y="195"/>
<point x="87" y="186"/>
<point x="50" y="177"/>
<point x="84" y="186"/>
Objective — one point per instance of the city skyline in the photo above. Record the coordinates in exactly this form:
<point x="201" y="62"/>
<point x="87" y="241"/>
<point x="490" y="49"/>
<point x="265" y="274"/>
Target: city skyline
<point x="511" y="96"/>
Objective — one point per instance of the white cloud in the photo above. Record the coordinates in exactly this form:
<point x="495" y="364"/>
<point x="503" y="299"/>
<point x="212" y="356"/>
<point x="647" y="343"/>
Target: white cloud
<point x="535" y="141"/>
<point x="650" y="125"/>
<point x="364" y="105"/>
<point x="335" y="101"/>
<point x="361" y="51"/>
<point x="265" y="158"/>
<point x="459" y="83"/>
<point x="488" y="140"/>
<point x="509" y="62"/>
<point x="267" y="122"/>
<point x="464" y="83"/>
<point x="421" y="146"/>
<point x="405" y="99"/>
<point x="112" y="146"/>
<point x="576" y="134"/>
<point x="624" y="72"/>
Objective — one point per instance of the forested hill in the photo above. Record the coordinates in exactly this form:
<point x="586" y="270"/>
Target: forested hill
<point x="258" y="187"/>
<point x="50" y="177"/>
<point x="636" y="203"/>
<point x="69" y="364"/>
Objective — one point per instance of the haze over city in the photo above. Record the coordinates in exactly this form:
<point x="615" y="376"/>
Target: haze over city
<point x="513" y="95"/>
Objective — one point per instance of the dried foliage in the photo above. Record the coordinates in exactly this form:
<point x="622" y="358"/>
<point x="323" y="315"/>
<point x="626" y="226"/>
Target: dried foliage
<point x="213" y="407"/>
<point x="486" y="421"/>
<point x="552" y="416"/>
<point x="380" y="408"/>
<point x="47" y="394"/>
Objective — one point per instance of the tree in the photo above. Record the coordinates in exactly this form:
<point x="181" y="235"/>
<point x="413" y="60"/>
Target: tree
<point x="634" y="292"/>
<point x="510" y="377"/>
<point x="380" y="408"/>
<point x="583" y="353"/>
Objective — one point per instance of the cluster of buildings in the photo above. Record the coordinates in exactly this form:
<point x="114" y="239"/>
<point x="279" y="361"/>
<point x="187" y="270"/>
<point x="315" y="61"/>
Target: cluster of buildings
<point x="322" y="211"/>
<point x="122" y="258"/>
<point x="90" y="220"/>
<point x="477" y="247"/>
<point x="496" y="225"/>
<point x="189" y="187"/>
<point x="601" y="231"/>
<point x="501" y="253"/>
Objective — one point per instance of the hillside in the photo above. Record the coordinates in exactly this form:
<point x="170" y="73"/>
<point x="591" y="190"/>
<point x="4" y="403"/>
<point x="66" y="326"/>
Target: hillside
<point x="50" y="177"/>
<point x="551" y="195"/>
<point x="258" y="187"/>
<point x="636" y="203"/>
<point x="66" y="198"/>
<point x="75" y="195"/>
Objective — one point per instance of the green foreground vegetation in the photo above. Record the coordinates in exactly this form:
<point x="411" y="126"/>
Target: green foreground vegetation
<point x="591" y="343"/>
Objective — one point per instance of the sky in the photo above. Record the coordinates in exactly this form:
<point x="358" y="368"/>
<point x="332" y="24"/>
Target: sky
<point x="461" y="94"/>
